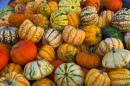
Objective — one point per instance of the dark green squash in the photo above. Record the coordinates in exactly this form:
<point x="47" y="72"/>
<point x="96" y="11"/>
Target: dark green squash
<point x="8" y="35"/>
<point x="112" y="32"/>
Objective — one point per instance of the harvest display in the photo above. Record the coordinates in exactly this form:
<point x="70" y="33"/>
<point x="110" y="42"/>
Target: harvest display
<point x="65" y="43"/>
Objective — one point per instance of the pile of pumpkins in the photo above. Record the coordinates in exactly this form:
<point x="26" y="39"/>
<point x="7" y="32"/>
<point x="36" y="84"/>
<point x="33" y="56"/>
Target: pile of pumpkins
<point x="65" y="43"/>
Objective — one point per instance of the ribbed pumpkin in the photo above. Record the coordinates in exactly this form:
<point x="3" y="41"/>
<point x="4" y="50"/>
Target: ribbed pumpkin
<point x="69" y="5"/>
<point x="88" y="16"/>
<point x="58" y="19"/>
<point x="4" y="58"/>
<point x="107" y="14"/>
<point x="37" y="69"/>
<point x="30" y="32"/>
<point x="97" y="77"/>
<point x="93" y="35"/>
<point x="69" y="74"/>
<point x="29" y="8"/>
<point x="101" y="22"/>
<point x="30" y="5"/>
<point x="119" y="77"/>
<point x="106" y="46"/>
<point x="127" y="40"/>
<point x="8" y="35"/>
<point x="88" y="59"/>
<point x="13" y="79"/>
<point x="5" y="12"/>
<point x="72" y="35"/>
<point x="121" y="20"/>
<point x="67" y="52"/>
<point x="116" y="58"/>
<point x="37" y="5"/>
<point x="46" y="52"/>
<point x="52" y="37"/>
<point x="95" y="3"/>
<point x="44" y="82"/>
<point x="5" y="47"/>
<point x="83" y="47"/>
<point x="47" y="8"/>
<point x="11" y="67"/>
<point x="23" y="52"/>
<point x="19" y="7"/>
<point x="112" y="5"/>
<point x="74" y="19"/>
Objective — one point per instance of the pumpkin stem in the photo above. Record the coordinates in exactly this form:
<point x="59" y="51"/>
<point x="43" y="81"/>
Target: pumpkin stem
<point x="90" y="50"/>
<point x="113" y="50"/>
<point x="9" y="82"/>
<point x="16" y="46"/>
<point x="102" y="71"/>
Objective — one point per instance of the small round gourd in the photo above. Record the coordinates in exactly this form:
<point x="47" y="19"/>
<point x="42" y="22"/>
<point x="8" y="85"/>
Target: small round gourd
<point x="67" y="52"/>
<point x="19" y="7"/>
<point x="8" y="35"/>
<point x="73" y="35"/>
<point x="89" y="16"/>
<point x="37" y="69"/>
<point x="121" y="20"/>
<point x="116" y="58"/>
<point x="97" y="77"/>
<point x="69" y="74"/>
<point x="106" y="46"/>
<point x="46" y="52"/>
<point x="52" y="37"/>
<point x="119" y="77"/>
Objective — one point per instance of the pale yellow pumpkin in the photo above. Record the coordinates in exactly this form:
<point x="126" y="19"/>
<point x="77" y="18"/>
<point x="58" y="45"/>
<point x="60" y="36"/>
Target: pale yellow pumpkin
<point x="101" y="22"/>
<point x="119" y="77"/>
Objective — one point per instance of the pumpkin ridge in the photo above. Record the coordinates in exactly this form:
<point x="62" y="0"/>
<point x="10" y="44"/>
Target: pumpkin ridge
<point x="103" y="82"/>
<point x="72" y="39"/>
<point x="73" y="80"/>
<point x="70" y="67"/>
<point x="106" y="45"/>
<point x="119" y="44"/>
<point x="62" y="81"/>
<point x="122" y="57"/>
<point x="26" y="32"/>
<point x="32" y="36"/>
<point x="95" y="79"/>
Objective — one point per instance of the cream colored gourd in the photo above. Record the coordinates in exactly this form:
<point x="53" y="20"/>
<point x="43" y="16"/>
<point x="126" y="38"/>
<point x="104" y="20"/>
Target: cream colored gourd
<point x="119" y="77"/>
<point x="69" y="74"/>
<point x="106" y="46"/>
<point x="73" y="35"/>
<point x="37" y="69"/>
<point x="97" y="77"/>
<point x="101" y="22"/>
<point x="52" y="37"/>
<point x="116" y="58"/>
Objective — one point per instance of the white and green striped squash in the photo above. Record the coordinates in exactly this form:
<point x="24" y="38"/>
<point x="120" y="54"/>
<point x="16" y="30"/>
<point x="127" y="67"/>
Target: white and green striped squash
<point x="37" y="69"/>
<point x="5" y="12"/>
<point x="59" y="19"/>
<point x="69" y="74"/>
<point x="69" y="5"/>
<point x="89" y="16"/>
<point x="121" y="20"/>
<point x="8" y="35"/>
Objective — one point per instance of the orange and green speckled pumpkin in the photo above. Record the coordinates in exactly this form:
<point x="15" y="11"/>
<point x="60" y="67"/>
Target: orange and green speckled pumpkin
<point x="59" y="19"/>
<point x="47" y="8"/>
<point x="44" y="82"/>
<point x="30" y="32"/>
<point x="69" y="5"/>
<point x="93" y="35"/>
<point x="14" y="79"/>
<point x="67" y="52"/>
<point x="69" y="74"/>
<point x="88" y="59"/>
<point x="74" y="19"/>
<point x="11" y="67"/>
<point x="37" y="69"/>
<point x="46" y="52"/>
<point x="72" y="35"/>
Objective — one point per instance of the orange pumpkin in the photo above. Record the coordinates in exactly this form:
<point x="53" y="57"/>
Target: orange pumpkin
<point x="88" y="59"/>
<point x="23" y="52"/>
<point x="112" y="5"/>
<point x="5" y="47"/>
<point x="3" y="58"/>
<point x="95" y="3"/>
